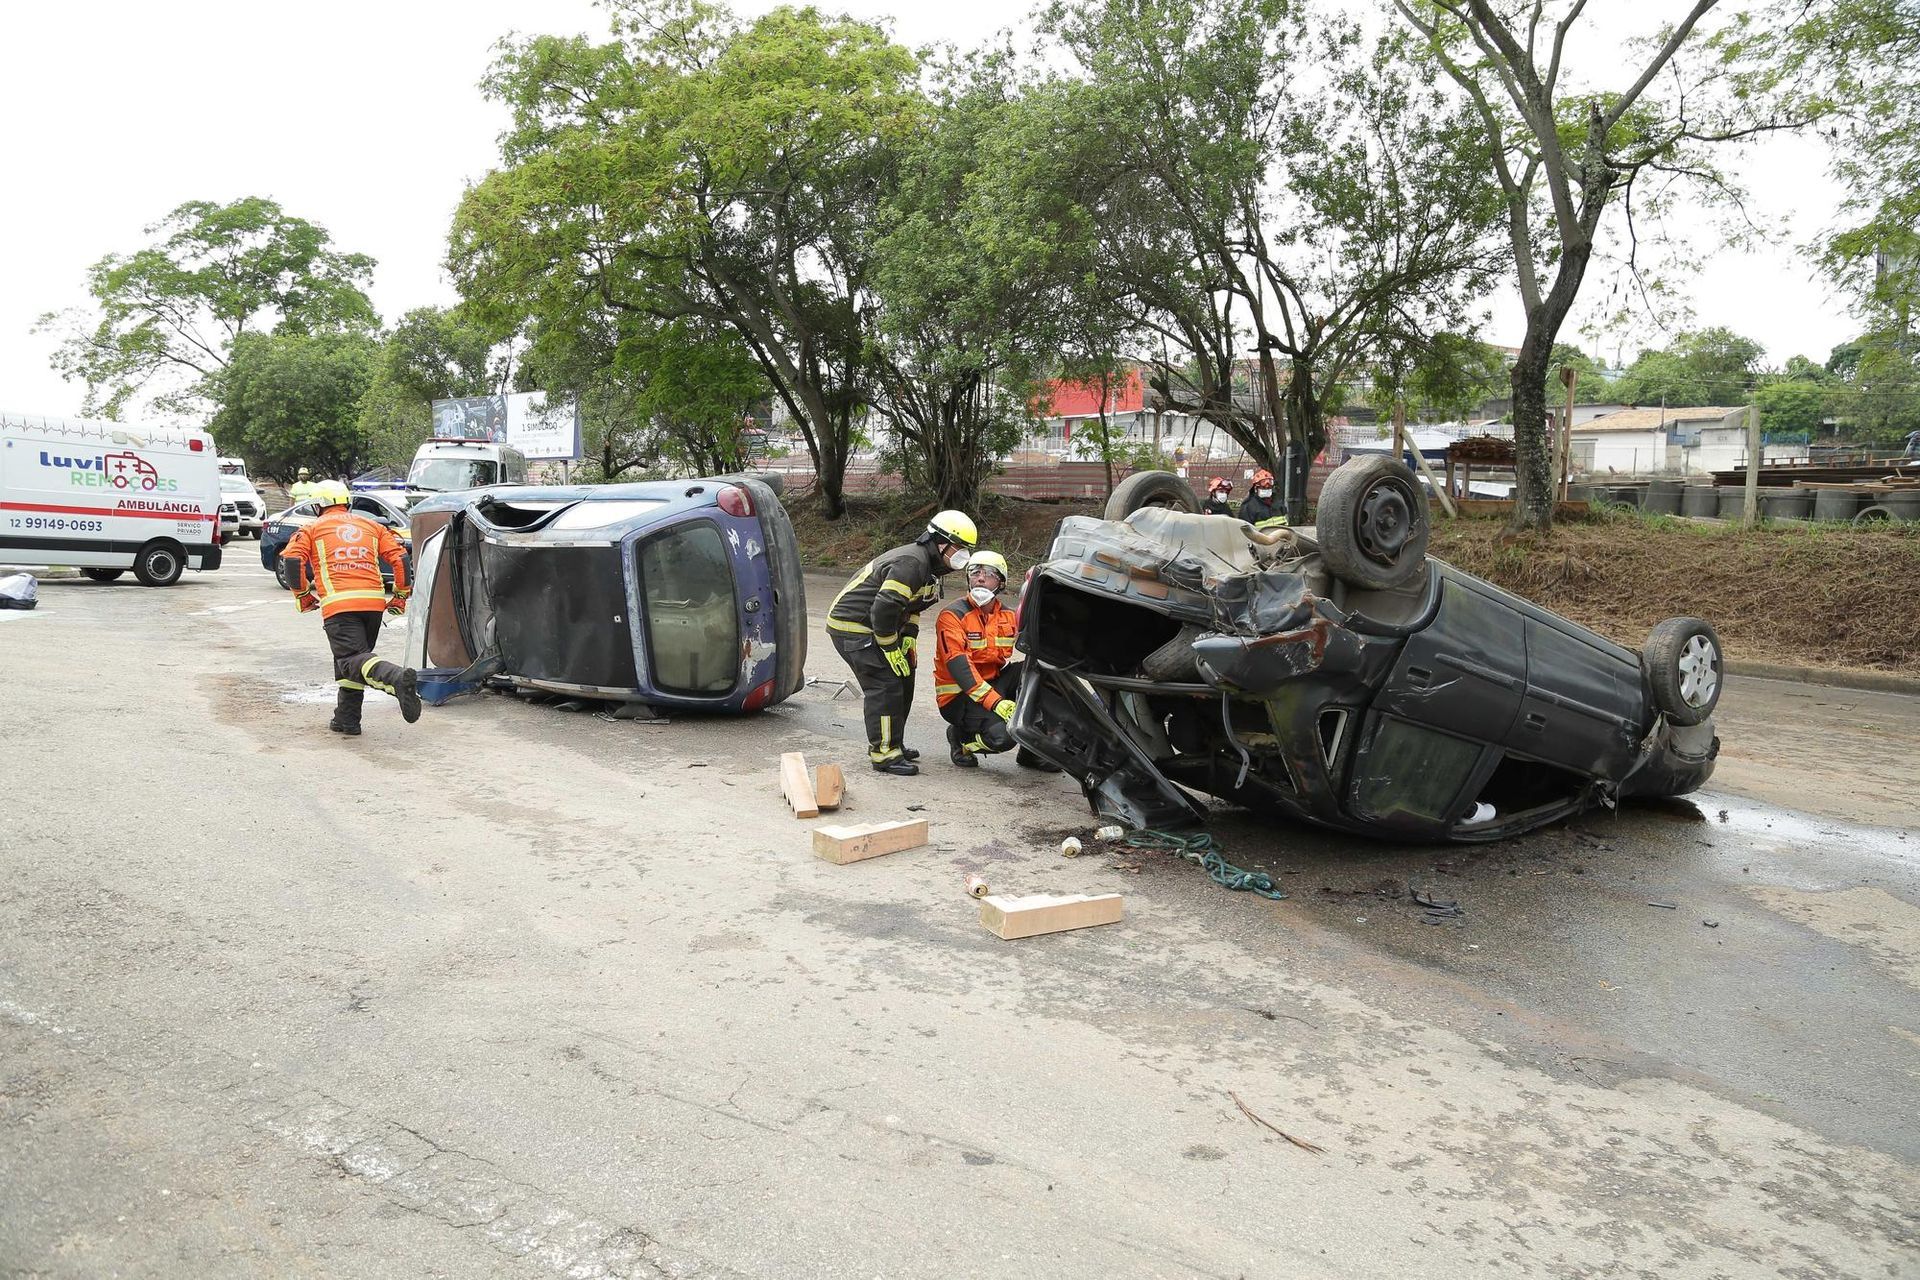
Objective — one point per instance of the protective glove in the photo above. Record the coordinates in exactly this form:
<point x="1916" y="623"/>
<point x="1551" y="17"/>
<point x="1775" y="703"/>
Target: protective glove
<point x="1004" y="709"/>
<point x="912" y="646"/>
<point x="306" y="602"/>
<point x="897" y="659"/>
<point x="397" y="605"/>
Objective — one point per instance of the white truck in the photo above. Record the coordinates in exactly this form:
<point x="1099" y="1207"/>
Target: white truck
<point x="465" y="464"/>
<point x="107" y="497"/>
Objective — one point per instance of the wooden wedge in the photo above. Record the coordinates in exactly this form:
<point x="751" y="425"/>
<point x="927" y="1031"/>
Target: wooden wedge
<point x="856" y="843"/>
<point x="796" y="786"/>
<point x="829" y="785"/>
<point x="1036" y="913"/>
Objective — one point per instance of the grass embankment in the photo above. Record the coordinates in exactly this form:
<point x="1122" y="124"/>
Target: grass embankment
<point x="1793" y="594"/>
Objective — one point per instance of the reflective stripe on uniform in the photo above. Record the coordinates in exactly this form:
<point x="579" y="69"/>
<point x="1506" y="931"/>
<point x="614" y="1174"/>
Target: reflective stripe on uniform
<point x="1272" y="522"/>
<point x="350" y="684"/>
<point x="366" y="673"/>
<point x="980" y="691"/>
<point x="338" y="596"/>
<point x="320" y="560"/>
<point x="976" y="644"/>
<point x="855" y="627"/>
<point x="898" y="588"/>
<point x="941" y="690"/>
<point x="1003" y="642"/>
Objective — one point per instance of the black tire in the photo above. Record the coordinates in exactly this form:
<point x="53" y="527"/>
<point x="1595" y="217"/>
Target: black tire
<point x="1686" y="668"/>
<point x="280" y="575"/>
<point x="160" y="564"/>
<point x="102" y="575"/>
<point x="1175" y="661"/>
<point x="1373" y="523"/>
<point x="1150" y="489"/>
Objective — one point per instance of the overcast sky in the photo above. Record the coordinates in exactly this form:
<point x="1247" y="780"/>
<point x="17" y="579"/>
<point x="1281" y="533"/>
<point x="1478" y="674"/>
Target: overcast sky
<point x="364" y="117"/>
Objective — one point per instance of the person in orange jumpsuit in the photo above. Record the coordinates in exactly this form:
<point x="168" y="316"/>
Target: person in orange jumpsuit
<point x="974" y="674"/>
<point x="333" y="565"/>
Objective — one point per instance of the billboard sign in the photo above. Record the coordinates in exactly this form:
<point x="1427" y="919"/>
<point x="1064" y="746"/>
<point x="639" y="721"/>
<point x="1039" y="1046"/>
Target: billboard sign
<point x="523" y="421"/>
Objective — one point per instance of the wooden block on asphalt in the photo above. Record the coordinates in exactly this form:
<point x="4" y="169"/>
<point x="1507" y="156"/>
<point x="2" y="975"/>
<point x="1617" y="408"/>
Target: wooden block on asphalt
<point x="796" y="786"/>
<point x="853" y="844"/>
<point x="1036" y="913"/>
<point x="829" y="784"/>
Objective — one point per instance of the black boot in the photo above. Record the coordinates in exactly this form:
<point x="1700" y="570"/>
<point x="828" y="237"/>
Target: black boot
<point x="899" y="765"/>
<point x="957" y="753"/>
<point x="402" y="682"/>
<point x="346" y="711"/>
<point x="909" y="753"/>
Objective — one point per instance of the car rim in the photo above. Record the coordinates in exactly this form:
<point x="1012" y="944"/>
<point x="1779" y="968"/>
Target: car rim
<point x="1699" y="671"/>
<point x="1384" y="523"/>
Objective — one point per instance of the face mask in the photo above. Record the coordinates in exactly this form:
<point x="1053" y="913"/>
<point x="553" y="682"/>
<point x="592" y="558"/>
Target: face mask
<point x="982" y="596"/>
<point x="958" y="557"/>
<point x="1263" y="494"/>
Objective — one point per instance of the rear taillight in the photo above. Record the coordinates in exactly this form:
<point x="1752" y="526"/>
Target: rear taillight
<point x="758" y="698"/>
<point x="734" y="501"/>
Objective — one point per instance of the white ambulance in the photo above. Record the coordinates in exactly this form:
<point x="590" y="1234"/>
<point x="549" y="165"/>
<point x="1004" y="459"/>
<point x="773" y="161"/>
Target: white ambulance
<point x="107" y="497"/>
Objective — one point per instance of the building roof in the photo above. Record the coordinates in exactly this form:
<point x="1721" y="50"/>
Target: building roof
<point x="1655" y="418"/>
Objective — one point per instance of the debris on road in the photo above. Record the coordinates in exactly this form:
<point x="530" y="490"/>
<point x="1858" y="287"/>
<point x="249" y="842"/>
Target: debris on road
<point x="1025" y="917"/>
<point x="1665" y="906"/>
<point x="1070" y="847"/>
<point x="808" y="792"/>
<point x="977" y="887"/>
<point x="1247" y="1111"/>
<point x="1203" y="851"/>
<point x="19" y="591"/>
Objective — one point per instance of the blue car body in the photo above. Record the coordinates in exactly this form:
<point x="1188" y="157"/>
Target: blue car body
<point x="684" y="594"/>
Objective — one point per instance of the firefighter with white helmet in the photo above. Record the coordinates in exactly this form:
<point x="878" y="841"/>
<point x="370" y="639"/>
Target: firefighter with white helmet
<point x="975" y="676"/>
<point x="875" y="627"/>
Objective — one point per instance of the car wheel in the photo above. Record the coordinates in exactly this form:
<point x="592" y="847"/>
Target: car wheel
<point x="102" y="575"/>
<point x="1372" y="523"/>
<point x="1684" y="665"/>
<point x="280" y="575"/>
<point x="1150" y="489"/>
<point x="159" y="564"/>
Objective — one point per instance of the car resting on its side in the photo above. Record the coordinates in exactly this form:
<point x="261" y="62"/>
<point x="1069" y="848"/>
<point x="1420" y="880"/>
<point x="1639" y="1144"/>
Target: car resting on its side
<point x="1339" y="675"/>
<point x="683" y="594"/>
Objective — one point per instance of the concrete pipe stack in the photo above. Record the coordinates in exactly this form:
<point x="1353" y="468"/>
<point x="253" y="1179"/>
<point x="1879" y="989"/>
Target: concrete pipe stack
<point x="1700" y="500"/>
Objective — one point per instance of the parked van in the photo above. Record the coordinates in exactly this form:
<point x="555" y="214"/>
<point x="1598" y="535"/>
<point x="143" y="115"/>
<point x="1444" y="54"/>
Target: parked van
<point x="107" y="497"/>
<point x="447" y="465"/>
<point x="234" y="467"/>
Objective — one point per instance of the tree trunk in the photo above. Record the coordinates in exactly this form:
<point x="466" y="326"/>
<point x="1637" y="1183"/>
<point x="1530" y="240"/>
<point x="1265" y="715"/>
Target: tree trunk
<point x="1533" y="439"/>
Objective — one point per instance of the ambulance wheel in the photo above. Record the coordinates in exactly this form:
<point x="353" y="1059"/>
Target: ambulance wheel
<point x="102" y="575"/>
<point x="159" y="564"/>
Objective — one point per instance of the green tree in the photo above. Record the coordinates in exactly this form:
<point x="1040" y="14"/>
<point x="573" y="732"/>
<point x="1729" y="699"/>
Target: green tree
<point x="1854" y="66"/>
<point x="432" y="354"/>
<point x="1563" y="156"/>
<point x="700" y="169"/>
<point x="1791" y="405"/>
<point x="975" y="274"/>
<point x="291" y="400"/>
<point x="1592" y="384"/>
<point x="166" y="316"/>
<point x="1440" y="379"/>
<point x="1878" y="399"/>
<point x="1279" y="198"/>
<point x="1711" y="367"/>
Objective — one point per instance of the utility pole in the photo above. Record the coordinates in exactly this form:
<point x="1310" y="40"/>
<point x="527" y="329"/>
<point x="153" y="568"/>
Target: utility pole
<point x="1751" y="516"/>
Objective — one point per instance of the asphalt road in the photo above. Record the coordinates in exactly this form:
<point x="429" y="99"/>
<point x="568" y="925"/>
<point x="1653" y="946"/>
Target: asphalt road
<point x="518" y="991"/>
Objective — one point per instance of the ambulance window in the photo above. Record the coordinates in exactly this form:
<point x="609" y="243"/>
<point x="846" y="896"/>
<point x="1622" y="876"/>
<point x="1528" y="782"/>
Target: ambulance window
<point x="693" y="627"/>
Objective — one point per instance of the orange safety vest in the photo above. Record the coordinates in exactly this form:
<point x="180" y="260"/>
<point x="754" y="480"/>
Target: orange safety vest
<point x="971" y="645"/>
<point x="338" y="556"/>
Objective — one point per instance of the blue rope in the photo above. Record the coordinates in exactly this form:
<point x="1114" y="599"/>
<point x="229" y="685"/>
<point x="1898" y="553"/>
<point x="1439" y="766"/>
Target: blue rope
<point x="1204" y="851"/>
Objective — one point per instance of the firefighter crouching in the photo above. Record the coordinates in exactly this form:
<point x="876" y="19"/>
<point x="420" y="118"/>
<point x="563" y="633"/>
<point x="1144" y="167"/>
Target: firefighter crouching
<point x="875" y="627"/>
<point x="333" y="565"/>
<point x="975" y="676"/>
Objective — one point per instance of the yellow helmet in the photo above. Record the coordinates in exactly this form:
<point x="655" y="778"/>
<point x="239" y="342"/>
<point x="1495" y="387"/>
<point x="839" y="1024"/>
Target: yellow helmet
<point x="954" y="526"/>
<point x="301" y="473"/>
<point x="331" y="493"/>
<point x="988" y="560"/>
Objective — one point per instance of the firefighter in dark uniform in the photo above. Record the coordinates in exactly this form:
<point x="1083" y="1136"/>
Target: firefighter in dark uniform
<point x="874" y="623"/>
<point x="1219" y="497"/>
<point x="1260" y="509"/>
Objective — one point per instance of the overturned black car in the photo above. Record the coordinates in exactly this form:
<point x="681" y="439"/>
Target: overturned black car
<point x="1338" y="674"/>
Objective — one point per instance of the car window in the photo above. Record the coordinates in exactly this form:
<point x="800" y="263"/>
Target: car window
<point x="693" y="628"/>
<point x="306" y="509"/>
<point x="378" y="510"/>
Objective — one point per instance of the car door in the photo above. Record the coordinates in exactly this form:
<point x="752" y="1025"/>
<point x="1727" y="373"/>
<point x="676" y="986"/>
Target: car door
<point x="689" y="616"/>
